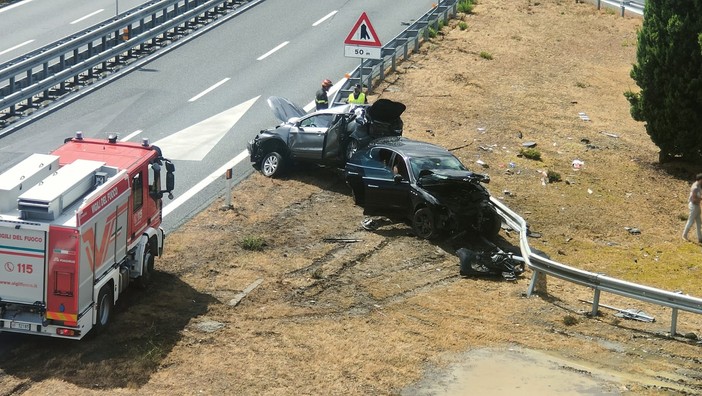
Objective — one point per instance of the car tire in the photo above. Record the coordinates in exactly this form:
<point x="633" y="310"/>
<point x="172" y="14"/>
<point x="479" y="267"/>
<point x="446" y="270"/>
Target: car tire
<point x="351" y="148"/>
<point x="424" y="224"/>
<point x="491" y="224"/>
<point x="271" y="164"/>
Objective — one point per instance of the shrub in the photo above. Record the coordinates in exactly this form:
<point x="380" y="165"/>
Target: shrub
<point x="466" y="6"/>
<point x="462" y="25"/>
<point x="431" y="32"/>
<point x="254" y="243"/>
<point x="553" y="176"/>
<point x="570" y="320"/>
<point x="530" y="153"/>
<point x="485" y="55"/>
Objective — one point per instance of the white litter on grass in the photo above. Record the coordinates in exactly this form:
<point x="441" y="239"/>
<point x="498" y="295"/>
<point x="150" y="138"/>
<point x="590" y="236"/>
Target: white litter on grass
<point x="578" y="164"/>
<point x="584" y="116"/>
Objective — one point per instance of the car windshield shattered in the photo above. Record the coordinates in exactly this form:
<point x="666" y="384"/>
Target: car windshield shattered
<point x="434" y="164"/>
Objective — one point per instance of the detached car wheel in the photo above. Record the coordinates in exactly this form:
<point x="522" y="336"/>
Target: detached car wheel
<point x="271" y="164"/>
<point x="423" y="223"/>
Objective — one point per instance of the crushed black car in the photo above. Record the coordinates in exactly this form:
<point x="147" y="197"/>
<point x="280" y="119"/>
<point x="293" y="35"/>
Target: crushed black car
<point x="397" y="177"/>
<point x="325" y="137"/>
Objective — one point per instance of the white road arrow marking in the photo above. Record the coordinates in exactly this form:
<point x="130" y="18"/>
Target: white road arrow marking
<point x="195" y="142"/>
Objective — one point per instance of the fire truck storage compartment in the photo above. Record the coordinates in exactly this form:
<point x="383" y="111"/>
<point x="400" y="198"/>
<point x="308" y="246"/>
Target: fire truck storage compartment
<point x="53" y="195"/>
<point x="23" y="176"/>
<point x="23" y="258"/>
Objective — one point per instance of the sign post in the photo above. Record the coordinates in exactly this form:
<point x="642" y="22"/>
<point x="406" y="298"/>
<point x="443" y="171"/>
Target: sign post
<point x="362" y="42"/>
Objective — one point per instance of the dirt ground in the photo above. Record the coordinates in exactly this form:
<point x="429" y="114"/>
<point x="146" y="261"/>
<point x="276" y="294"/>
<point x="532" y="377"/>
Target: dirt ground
<point x="330" y="308"/>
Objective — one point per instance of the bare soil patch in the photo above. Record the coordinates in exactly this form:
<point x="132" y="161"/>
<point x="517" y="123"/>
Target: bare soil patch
<point x="388" y="313"/>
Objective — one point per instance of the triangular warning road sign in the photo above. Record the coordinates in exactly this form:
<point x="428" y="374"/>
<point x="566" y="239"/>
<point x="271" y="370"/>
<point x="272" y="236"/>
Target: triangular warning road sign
<point x="363" y="33"/>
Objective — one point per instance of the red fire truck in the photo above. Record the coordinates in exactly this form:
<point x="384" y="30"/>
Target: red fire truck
<point x="77" y="226"/>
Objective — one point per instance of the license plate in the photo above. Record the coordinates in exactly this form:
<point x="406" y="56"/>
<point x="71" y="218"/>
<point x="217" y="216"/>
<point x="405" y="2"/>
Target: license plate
<point x="20" y="326"/>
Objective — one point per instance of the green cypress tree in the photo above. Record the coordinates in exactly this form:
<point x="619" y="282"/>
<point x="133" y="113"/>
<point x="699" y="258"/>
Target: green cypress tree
<point x="669" y="74"/>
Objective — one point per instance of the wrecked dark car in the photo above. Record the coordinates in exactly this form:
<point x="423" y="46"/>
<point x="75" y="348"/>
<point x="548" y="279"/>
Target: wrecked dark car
<point x="325" y="137"/>
<point x="401" y="178"/>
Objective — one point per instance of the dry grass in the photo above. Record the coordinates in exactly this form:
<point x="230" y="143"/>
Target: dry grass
<point x="371" y="317"/>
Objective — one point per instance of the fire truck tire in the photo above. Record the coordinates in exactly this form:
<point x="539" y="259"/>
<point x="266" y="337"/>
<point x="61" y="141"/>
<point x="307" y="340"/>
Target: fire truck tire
<point x="145" y="279"/>
<point x="105" y="303"/>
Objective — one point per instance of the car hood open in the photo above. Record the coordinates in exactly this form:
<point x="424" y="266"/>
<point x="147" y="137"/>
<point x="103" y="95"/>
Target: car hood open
<point x="284" y="109"/>
<point x="443" y="177"/>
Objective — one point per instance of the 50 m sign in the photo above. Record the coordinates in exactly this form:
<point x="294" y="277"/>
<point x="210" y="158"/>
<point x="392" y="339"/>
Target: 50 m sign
<point x="361" y="51"/>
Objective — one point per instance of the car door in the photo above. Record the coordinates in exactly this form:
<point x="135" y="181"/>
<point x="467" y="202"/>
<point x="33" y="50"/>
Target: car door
<point x="306" y="139"/>
<point x="384" y="193"/>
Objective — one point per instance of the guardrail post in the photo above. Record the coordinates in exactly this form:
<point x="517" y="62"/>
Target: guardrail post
<point x="674" y="322"/>
<point x="595" y="303"/>
<point x="598" y="5"/>
<point x="228" y="191"/>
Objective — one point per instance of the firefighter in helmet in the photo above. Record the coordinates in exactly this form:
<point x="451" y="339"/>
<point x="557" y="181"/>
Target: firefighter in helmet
<point x="322" y="100"/>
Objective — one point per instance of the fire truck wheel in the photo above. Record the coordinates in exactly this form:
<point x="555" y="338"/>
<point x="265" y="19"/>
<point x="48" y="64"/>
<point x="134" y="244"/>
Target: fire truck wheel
<point x="105" y="303"/>
<point x="148" y="269"/>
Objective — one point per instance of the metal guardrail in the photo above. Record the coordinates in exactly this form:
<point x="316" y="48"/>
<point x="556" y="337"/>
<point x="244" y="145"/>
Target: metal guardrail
<point x="38" y="78"/>
<point x="598" y="282"/>
<point x="399" y="49"/>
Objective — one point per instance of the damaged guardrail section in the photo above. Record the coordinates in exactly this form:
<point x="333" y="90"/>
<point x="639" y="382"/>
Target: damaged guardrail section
<point x="599" y="282"/>
<point x="36" y="79"/>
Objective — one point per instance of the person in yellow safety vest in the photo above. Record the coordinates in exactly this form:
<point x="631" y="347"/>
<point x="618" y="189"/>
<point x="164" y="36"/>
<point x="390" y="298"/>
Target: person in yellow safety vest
<point x="357" y="96"/>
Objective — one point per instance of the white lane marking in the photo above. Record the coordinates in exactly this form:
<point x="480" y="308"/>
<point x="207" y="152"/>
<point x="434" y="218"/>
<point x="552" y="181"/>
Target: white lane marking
<point x="8" y="8"/>
<point x="173" y="205"/>
<point x="324" y="18"/>
<point x="208" y="90"/>
<point x="15" y="47"/>
<point x="196" y="141"/>
<point x="87" y="16"/>
<point x="281" y="45"/>
<point x="332" y="91"/>
<point x="131" y="135"/>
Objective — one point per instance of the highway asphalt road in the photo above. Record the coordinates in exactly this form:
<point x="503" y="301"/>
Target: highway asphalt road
<point x="202" y="101"/>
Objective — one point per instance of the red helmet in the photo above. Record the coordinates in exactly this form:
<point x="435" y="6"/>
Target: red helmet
<point x="326" y="83"/>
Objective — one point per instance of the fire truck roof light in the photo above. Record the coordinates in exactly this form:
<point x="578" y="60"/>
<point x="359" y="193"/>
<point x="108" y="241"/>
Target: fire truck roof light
<point x="145" y="142"/>
<point x="112" y="138"/>
<point x="79" y="135"/>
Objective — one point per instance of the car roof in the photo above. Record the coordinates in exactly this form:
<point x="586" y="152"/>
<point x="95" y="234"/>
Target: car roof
<point x="408" y="147"/>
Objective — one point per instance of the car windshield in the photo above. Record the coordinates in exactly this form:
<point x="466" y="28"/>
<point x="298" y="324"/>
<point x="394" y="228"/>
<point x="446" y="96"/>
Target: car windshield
<point x="419" y="164"/>
<point x="317" y="121"/>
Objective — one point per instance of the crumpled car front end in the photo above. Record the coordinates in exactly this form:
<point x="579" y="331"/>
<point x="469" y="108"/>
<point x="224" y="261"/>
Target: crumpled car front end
<point x="460" y="201"/>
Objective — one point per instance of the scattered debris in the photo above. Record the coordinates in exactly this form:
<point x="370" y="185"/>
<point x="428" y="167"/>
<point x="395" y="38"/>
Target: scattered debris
<point x="585" y="140"/>
<point x="237" y="299"/>
<point x="589" y="191"/>
<point x="633" y="231"/>
<point x="584" y="116"/>
<point x="430" y="132"/>
<point x="481" y="130"/>
<point x="578" y="164"/>
<point x="520" y="134"/>
<point x="482" y="163"/>
<point x="489" y="149"/>
<point x="341" y="240"/>
<point x="508" y="193"/>
<point x="490" y="263"/>
<point x="529" y="144"/>
<point x="544" y="177"/>
<point x="612" y="135"/>
<point x="631" y="313"/>
<point x="463" y="146"/>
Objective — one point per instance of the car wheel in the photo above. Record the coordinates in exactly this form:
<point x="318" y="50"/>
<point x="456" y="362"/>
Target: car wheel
<point x="271" y="164"/>
<point x="491" y="223"/>
<point x="351" y="148"/>
<point x="423" y="223"/>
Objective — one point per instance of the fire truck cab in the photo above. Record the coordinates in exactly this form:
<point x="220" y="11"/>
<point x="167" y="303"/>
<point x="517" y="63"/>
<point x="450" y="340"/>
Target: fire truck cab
<point x="77" y="227"/>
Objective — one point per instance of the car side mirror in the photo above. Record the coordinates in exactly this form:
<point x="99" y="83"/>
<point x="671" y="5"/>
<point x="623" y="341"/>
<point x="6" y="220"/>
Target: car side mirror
<point x="397" y="178"/>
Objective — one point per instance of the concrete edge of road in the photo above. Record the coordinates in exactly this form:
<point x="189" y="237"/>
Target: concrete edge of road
<point x="72" y="97"/>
